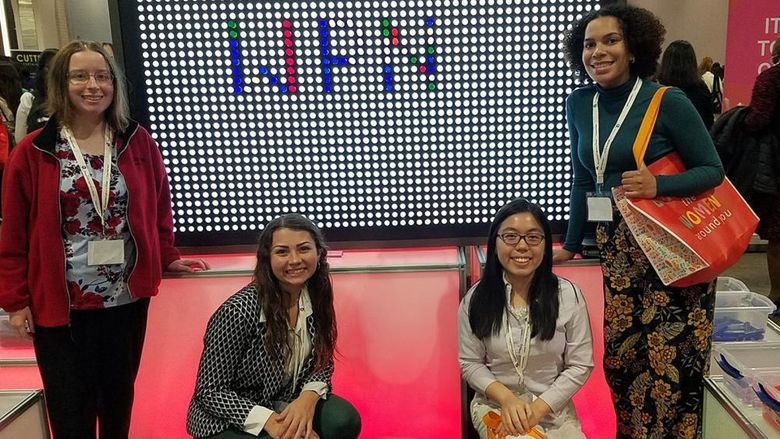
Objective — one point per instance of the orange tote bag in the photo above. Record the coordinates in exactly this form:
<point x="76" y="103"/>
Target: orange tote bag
<point x="688" y="240"/>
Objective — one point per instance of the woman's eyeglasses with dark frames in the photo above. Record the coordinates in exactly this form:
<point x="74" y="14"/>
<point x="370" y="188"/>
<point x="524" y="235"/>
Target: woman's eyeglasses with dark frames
<point x="513" y="238"/>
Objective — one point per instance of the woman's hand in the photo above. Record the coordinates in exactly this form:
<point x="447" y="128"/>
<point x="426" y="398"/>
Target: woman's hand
<point x="188" y="265"/>
<point x="517" y="416"/>
<point x="539" y="409"/>
<point x="640" y="184"/>
<point x="296" y="419"/>
<point x="275" y="429"/>
<point x="22" y="321"/>
<point x="561" y="255"/>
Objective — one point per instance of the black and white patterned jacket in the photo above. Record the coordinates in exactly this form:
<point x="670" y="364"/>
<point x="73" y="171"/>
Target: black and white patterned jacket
<point x="237" y="373"/>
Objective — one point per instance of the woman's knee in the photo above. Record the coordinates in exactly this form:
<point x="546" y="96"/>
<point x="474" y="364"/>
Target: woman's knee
<point x="339" y="419"/>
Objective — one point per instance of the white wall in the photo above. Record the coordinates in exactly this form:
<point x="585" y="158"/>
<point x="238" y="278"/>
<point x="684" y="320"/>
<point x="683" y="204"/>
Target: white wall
<point x="46" y="23"/>
<point x="88" y="20"/>
<point x="702" y="22"/>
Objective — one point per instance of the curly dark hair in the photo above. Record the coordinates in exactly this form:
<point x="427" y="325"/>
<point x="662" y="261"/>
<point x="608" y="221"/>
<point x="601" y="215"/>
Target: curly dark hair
<point x="642" y="32"/>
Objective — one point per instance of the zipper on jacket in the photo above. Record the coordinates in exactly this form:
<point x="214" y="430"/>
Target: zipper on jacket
<point x="59" y="214"/>
<point x="129" y="227"/>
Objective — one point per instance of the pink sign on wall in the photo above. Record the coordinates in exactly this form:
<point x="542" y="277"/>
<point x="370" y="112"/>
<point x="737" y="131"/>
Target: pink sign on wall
<point x="753" y="25"/>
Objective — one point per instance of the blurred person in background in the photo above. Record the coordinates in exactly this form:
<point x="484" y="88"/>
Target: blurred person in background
<point x="32" y="113"/>
<point x="704" y="70"/>
<point x="678" y="69"/>
<point x="108" y="47"/>
<point x="764" y="116"/>
<point x="10" y="92"/>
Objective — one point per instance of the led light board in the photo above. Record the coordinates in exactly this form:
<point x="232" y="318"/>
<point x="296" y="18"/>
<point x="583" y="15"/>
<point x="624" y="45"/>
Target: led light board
<point x="378" y="120"/>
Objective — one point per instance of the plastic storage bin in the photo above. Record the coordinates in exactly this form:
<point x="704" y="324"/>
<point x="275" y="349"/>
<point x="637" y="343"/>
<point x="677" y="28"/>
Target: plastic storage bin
<point x="740" y="316"/>
<point x="768" y="393"/>
<point x="725" y="283"/>
<point x="743" y="364"/>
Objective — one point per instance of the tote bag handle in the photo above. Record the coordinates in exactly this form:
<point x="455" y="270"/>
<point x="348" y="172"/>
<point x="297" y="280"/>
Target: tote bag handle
<point x="646" y="129"/>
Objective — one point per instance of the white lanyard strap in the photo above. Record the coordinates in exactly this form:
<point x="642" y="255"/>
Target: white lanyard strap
<point x="599" y="156"/>
<point x="519" y="356"/>
<point x="101" y="204"/>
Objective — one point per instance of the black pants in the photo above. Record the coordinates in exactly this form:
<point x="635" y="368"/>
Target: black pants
<point x="89" y="370"/>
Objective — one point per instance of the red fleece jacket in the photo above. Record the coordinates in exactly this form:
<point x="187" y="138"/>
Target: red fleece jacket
<point x="32" y="255"/>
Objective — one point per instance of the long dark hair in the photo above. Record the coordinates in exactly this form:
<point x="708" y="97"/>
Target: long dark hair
<point x="274" y="301"/>
<point x="717" y="70"/>
<point x="678" y="66"/>
<point x="42" y="71"/>
<point x="642" y="32"/>
<point x="10" y="84"/>
<point x="489" y="300"/>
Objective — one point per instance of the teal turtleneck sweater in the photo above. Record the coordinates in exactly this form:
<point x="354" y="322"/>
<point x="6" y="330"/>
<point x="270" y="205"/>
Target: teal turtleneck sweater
<point x="678" y="128"/>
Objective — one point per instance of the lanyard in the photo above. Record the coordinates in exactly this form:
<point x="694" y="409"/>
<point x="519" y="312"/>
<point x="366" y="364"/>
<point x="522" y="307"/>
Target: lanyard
<point x="600" y="157"/>
<point x="101" y="204"/>
<point x="519" y="356"/>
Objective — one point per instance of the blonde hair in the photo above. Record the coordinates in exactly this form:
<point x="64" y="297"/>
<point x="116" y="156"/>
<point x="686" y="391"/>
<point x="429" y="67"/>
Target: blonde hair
<point x="117" y="114"/>
<point x="705" y="65"/>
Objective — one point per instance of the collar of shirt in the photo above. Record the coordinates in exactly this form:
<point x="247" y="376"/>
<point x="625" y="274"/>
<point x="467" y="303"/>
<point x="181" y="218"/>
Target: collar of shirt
<point x="304" y="307"/>
<point x="517" y="312"/>
<point x="507" y="289"/>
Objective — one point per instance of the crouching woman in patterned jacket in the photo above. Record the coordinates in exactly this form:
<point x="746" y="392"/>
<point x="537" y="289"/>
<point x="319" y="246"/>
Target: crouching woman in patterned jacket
<point x="268" y="350"/>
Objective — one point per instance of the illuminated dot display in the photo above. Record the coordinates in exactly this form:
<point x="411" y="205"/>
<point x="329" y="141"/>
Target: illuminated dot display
<point x="378" y="120"/>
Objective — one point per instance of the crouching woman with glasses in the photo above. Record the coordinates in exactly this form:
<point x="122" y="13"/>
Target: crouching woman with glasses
<point x="524" y="339"/>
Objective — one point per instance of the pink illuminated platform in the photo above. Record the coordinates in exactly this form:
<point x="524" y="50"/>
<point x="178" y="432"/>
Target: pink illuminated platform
<point x="397" y="361"/>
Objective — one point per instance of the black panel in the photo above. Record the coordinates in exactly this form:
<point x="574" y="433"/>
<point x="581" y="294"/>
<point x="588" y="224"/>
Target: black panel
<point x="262" y="108"/>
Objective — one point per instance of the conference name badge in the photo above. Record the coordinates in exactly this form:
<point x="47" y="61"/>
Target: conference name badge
<point x="599" y="208"/>
<point x="106" y="252"/>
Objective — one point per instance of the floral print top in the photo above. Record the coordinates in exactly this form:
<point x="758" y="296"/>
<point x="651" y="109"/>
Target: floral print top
<point x="98" y="286"/>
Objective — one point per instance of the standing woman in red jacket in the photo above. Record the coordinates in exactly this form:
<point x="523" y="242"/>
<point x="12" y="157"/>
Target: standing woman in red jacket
<point x="87" y="232"/>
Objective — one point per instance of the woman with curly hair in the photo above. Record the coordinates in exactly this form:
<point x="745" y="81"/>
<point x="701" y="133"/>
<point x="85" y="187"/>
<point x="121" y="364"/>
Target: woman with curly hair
<point x="268" y="351"/>
<point x="657" y="338"/>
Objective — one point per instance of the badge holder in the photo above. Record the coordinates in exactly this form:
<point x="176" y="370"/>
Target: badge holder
<point x="105" y="252"/>
<point x="599" y="206"/>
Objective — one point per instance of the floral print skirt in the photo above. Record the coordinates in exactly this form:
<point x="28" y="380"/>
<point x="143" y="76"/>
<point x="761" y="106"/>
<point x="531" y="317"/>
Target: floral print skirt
<point x="657" y="341"/>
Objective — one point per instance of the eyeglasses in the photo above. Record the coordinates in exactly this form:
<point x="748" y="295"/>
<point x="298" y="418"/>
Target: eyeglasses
<point x="80" y="77"/>
<point x="513" y="238"/>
